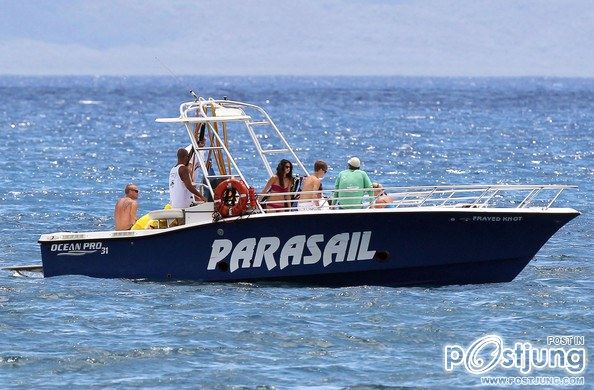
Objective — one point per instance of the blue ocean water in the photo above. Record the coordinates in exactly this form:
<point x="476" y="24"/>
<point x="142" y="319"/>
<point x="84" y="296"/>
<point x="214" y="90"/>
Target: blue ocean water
<point x="69" y="145"/>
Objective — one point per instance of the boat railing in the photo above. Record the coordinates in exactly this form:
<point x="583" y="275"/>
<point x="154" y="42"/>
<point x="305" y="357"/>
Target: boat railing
<point x="207" y="120"/>
<point x="457" y="196"/>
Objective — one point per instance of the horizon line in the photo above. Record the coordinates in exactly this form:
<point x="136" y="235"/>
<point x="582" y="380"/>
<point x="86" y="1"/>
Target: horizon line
<point x="213" y="75"/>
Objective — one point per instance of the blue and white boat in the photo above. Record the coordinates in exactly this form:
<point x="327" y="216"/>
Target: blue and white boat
<point x="436" y="235"/>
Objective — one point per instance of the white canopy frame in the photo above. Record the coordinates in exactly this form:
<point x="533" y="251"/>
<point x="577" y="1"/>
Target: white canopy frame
<point x="224" y="112"/>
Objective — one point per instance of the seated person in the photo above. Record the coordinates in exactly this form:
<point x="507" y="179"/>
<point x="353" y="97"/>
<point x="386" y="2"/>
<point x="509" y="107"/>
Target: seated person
<point x="382" y="199"/>
<point x="279" y="183"/>
<point x="125" y="209"/>
<point x="312" y="183"/>
<point x="351" y="185"/>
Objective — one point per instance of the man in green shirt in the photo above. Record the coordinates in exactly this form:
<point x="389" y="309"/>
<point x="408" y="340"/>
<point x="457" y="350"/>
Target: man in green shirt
<point x="355" y="180"/>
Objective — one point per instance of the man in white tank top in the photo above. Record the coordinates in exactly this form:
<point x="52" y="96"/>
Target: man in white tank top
<point x="182" y="192"/>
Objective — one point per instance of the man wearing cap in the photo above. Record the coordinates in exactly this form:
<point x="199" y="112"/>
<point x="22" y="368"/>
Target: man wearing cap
<point x="350" y="186"/>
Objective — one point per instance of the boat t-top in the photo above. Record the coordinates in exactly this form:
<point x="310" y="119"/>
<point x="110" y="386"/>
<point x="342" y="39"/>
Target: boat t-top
<point x="426" y="235"/>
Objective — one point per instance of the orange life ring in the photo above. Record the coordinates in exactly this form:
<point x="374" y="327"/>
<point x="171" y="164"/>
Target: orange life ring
<point x="231" y="197"/>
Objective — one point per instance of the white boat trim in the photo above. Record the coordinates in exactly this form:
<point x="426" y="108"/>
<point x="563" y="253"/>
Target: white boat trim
<point x="126" y="234"/>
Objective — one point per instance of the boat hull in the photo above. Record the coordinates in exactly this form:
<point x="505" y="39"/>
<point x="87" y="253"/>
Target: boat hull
<point x="390" y="248"/>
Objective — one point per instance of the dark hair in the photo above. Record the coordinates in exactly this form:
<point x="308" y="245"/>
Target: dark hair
<point x="280" y="172"/>
<point x="182" y="153"/>
<point x="320" y="165"/>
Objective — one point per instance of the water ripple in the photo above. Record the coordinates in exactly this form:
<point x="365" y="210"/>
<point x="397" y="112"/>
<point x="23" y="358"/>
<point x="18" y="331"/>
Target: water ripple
<point x="64" y="166"/>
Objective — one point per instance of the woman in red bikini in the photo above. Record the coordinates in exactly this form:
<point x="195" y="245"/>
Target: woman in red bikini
<point x="279" y="183"/>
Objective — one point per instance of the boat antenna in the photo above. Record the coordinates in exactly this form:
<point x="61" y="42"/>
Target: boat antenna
<point x="176" y="77"/>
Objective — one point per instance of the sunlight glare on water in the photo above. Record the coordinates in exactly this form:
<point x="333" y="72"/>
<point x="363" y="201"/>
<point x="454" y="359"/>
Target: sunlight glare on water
<point x="69" y="146"/>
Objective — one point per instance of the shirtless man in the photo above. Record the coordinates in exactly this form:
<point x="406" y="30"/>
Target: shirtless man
<point x="125" y="209"/>
<point x="312" y="183"/>
<point x="382" y="199"/>
<point x="182" y="192"/>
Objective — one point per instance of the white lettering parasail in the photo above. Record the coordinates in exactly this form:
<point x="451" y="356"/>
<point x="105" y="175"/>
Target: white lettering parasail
<point x="252" y="252"/>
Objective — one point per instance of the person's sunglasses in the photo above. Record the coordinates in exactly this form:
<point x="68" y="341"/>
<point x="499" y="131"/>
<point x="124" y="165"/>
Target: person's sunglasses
<point x="134" y="189"/>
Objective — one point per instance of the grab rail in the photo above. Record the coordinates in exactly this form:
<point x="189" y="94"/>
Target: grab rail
<point x="456" y="196"/>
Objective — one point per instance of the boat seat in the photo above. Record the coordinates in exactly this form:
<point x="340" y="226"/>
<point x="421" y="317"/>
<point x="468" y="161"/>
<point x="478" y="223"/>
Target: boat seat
<point x="166" y="214"/>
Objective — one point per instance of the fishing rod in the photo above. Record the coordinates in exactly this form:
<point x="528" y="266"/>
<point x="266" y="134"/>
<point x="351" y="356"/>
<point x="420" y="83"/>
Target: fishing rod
<point x="200" y="130"/>
<point x="177" y="78"/>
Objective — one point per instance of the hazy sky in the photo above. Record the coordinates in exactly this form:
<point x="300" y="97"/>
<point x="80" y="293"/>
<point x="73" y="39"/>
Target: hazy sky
<point x="406" y="37"/>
